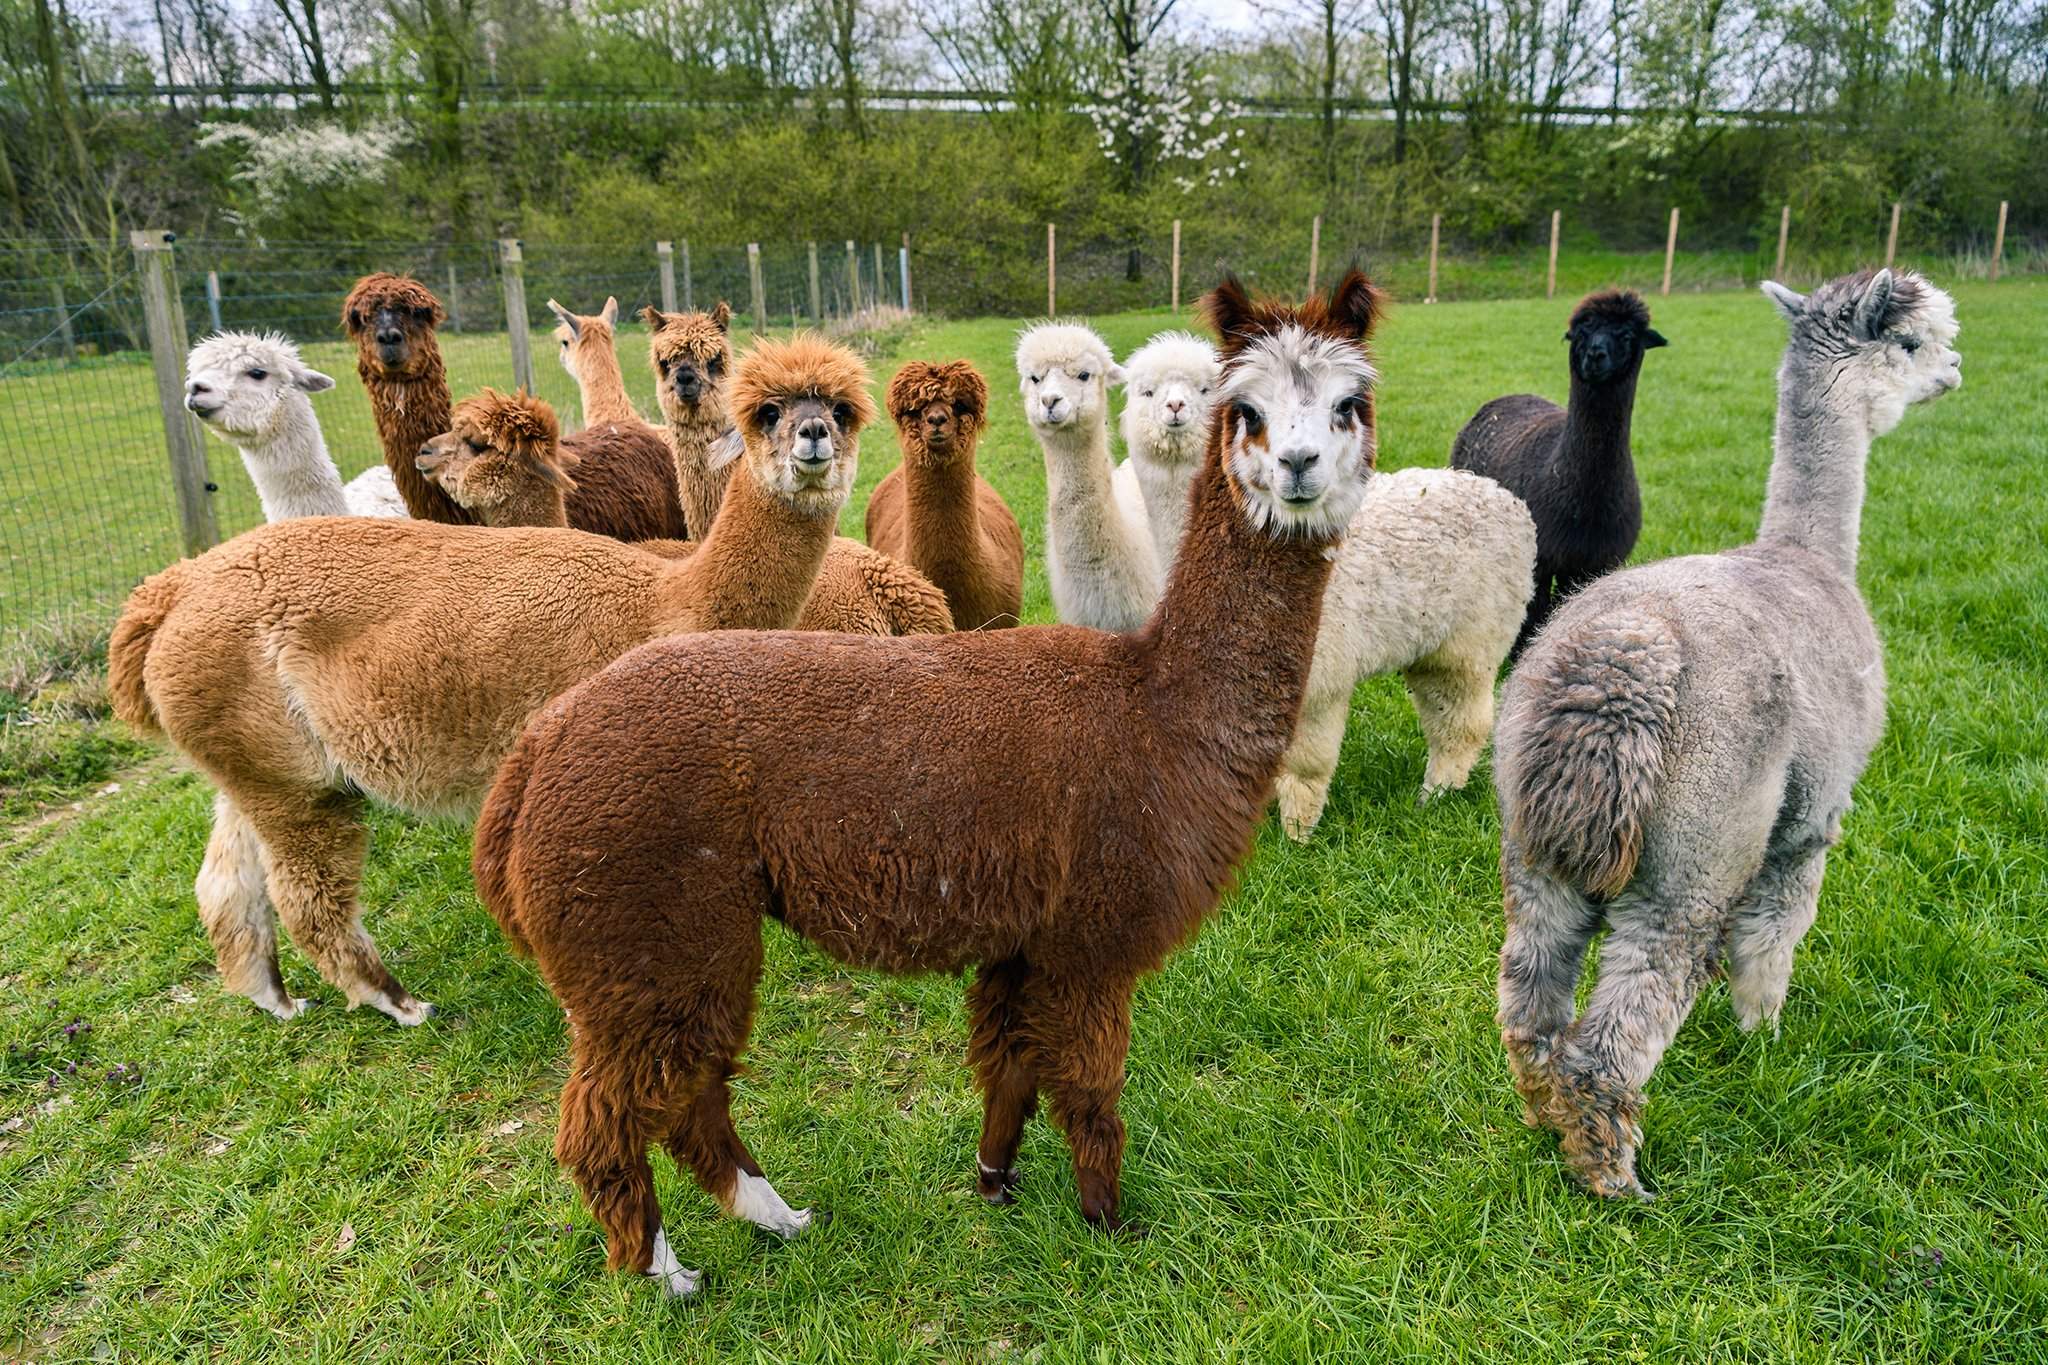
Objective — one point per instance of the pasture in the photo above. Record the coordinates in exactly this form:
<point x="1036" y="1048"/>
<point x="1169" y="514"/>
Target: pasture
<point x="1324" y="1147"/>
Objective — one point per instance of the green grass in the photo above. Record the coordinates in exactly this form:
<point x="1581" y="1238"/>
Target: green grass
<point x="1323" y="1141"/>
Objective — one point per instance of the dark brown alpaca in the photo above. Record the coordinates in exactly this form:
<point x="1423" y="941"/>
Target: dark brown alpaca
<point x="1060" y="807"/>
<point x="392" y="319"/>
<point x="625" y="483"/>
<point x="934" y="512"/>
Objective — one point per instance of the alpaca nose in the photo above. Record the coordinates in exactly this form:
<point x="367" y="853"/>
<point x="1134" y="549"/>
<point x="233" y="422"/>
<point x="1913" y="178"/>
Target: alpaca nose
<point x="814" y="431"/>
<point x="1175" y="405"/>
<point x="1299" y="462"/>
<point x="1052" y="403"/>
<point x="389" y="336"/>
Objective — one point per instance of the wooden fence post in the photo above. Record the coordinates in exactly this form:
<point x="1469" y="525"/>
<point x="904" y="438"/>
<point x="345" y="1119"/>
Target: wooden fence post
<point x="1051" y="274"/>
<point x="164" y="313"/>
<point x="517" y="328"/>
<point x="665" y="256"/>
<point x="1997" y="250"/>
<point x="1891" y="240"/>
<point x="852" y="280"/>
<point x="759" y="288"/>
<point x="689" y="281"/>
<point x="1550" y="285"/>
<point x="70" y="343"/>
<point x="1670" y="248"/>
<point x="454" y="300"/>
<point x="881" y="290"/>
<point x="213" y="299"/>
<point x="1315" y="251"/>
<point x="1784" y="232"/>
<point x="906" y="272"/>
<point x="817" y="293"/>
<point x="1436" y="223"/>
<point x="1176" y="265"/>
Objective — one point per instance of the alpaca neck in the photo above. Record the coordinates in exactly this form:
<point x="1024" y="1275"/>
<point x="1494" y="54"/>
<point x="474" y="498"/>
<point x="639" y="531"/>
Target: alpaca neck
<point x="1088" y="532"/>
<point x="410" y="412"/>
<point x="542" y="506"/>
<point x="1164" y="487"/>
<point x="1595" y="450"/>
<point x="758" y="563"/>
<point x="1226" y="654"/>
<point x="943" y="503"/>
<point x="600" y="381"/>
<point x="1815" y="497"/>
<point x="293" y="474"/>
<point x="700" y="488"/>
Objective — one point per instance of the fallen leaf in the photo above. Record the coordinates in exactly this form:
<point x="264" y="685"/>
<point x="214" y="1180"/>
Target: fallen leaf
<point x="510" y="1126"/>
<point x="181" y="994"/>
<point x="346" y="1238"/>
<point x="13" y="1125"/>
<point x="52" y="1106"/>
<point x="216" y="1148"/>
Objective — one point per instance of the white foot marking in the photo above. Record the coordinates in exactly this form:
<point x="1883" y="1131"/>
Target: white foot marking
<point x="676" y="1282"/>
<point x="411" y="1014"/>
<point x="755" y="1200"/>
<point x="275" y="1002"/>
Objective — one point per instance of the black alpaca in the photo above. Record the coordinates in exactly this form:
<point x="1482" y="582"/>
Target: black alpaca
<point x="1572" y="464"/>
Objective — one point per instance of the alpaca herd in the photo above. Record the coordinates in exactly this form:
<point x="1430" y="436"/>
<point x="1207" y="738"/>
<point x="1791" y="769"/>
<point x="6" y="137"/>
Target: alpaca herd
<point x="677" y="703"/>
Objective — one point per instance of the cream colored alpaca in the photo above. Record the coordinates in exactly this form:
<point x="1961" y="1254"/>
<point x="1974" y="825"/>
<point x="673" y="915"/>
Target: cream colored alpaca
<point x="1169" y="389"/>
<point x="691" y="356"/>
<point x="309" y="664"/>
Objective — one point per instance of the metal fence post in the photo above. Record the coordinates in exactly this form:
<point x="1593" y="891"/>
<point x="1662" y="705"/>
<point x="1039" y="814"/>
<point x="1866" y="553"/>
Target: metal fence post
<point x="213" y="299"/>
<point x="517" y="328"/>
<point x="71" y="343"/>
<point x="666" y="253"/>
<point x="183" y="440"/>
<point x="1176" y="265"/>
<point x="454" y="300"/>
<point x="689" y="281"/>
<point x="760" y="290"/>
<point x="817" y="297"/>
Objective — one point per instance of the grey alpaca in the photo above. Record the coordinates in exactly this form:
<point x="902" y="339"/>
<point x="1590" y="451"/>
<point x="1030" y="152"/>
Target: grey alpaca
<point x="1676" y="749"/>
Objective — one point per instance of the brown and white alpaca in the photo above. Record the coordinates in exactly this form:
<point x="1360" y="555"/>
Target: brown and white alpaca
<point x="310" y="664"/>
<point x="691" y="355"/>
<point x="1060" y="806"/>
<point x="500" y="460"/>
<point x="391" y="319"/>
<point x="934" y="511"/>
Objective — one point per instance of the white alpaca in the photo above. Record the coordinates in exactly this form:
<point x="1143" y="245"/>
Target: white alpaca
<point x="1432" y="581"/>
<point x="251" y="389"/>
<point x="1169" y="388"/>
<point x="1099" y="558"/>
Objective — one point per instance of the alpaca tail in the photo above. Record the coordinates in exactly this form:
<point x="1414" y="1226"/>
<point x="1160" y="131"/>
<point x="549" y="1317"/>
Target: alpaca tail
<point x="1597" y="709"/>
<point x="910" y="604"/>
<point x="128" y="650"/>
<point x="490" y="862"/>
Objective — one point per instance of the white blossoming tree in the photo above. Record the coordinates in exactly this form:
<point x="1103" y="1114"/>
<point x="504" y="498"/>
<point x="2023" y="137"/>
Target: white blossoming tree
<point x="286" y="172"/>
<point x="1157" y="116"/>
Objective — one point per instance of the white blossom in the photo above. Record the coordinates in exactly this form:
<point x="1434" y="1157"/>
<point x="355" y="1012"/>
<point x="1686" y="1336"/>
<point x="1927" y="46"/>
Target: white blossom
<point x="1156" y="97"/>
<point x="279" y="163"/>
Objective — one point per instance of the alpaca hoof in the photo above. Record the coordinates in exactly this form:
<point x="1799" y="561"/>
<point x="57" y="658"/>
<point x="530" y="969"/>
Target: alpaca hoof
<point x="411" y="1011"/>
<point x="284" y="1007"/>
<point x="1298" y="831"/>
<point x="997" y="1187"/>
<point x="1115" y="1225"/>
<point x="676" y="1280"/>
<point x="1617" y="1185"/>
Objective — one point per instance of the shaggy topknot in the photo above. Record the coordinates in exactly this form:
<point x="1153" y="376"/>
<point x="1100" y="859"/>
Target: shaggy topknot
<point x="1621" y="306"/>
<point x="698" y="336"/>
<point x="807" y="365"/>
<point x="522" y="426"/>
<point x="373" y="292"/>
<point x="920" y="384"/>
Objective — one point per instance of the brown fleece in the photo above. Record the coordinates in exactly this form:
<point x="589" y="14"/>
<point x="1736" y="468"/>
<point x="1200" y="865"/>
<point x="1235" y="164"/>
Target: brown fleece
<point x="699" y="343"/>
<point x="625" y="483"/>
<point x="934" y="512"/>
<point x="1060" y="806"/>
<point x="409" y="400"/>
<point x="310" y="663"/>
<point x="502" y="460"/>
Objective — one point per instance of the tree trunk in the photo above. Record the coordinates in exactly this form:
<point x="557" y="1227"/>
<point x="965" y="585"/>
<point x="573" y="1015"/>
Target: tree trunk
<point x="1330" y="94"/>
<point x="49" y="54"/>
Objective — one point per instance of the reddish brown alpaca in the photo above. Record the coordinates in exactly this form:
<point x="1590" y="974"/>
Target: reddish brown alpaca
<point x="392" y="319"/>
<point x="934" y="512"/>
<point x="1060" y="806"/>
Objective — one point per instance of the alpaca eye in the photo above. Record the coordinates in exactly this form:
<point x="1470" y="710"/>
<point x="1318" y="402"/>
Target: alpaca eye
<point x="1205" y="388"/>
<point x="1146" y="394"/>
<point x="1035" y="378"/>
<point x="842" y="414"/>
<point x="1351" y="407"/>
<point x="768" y="416"/>
<point x="1909" y="344"/>
<point x="1082" y="377"/>
<point x="661" y="365"/>
<point x="1248" y="417"/>
<point x="713" y="365"/>
<point x="259" y="374"/>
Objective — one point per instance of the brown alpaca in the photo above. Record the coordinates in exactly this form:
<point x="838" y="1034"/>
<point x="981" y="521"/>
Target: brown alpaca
<point x="691" y="354"/>
<point x="500" y="462"/>
<point x="587" y="348"/>
<point x="312" y="663"/>
<point x="1060" y="806"/>
<point x="934" y="511"/>
<point x="627" y="489"/>
<point x="392" y="319"/>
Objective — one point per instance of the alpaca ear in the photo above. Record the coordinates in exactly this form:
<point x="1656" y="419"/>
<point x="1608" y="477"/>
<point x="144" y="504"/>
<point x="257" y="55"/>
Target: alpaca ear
<point x="1227" y="308"/>
<point x="653" y="317"/>
<point x="726" y="449"/>
<point x="609" y="314"/>
<point x="1876" y="302"/>
<point x="1652" y="339"/>
<point x="1791" y="304"/>
<point x="721" y="316"/>
<point x="312" y="381"/>
<point x="1115" y="373"/>
<point x="1355" y="303"/>
<point x="568" y="319"/>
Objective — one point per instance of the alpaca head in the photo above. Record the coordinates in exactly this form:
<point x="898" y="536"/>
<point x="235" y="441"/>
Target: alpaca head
<point x="691" y="355"/>
<point x="1871" y="343"/>
<point x="501" y="453"/>
<point x="1609" y="332"/>
<point x="392" y="319"/>
<point x="1294" y="413"/>
<point x="248" y="386"/>
<point x="1169" y="390"/>
<point x="939" y="409"/>
<point x="797" y="410"/>
<point x="577" y="336"/>
<point x="1065" y="371"/>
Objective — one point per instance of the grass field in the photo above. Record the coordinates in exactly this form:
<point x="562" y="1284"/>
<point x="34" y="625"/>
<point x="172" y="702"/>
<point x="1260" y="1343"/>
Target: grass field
<point x="1323" y="1141"/>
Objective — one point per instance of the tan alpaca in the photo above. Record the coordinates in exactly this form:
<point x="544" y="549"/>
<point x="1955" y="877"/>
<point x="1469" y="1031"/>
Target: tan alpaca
<point x="311" y="663"/>
<point x="691" y="356"/>
<point x="934" y="511"/>
<point x="587" y="348"/>
<point x="500" y="466"/>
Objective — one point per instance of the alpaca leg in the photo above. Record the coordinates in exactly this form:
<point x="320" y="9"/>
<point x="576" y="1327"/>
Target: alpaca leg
<point x="1004" y="1054"/>
<point x="1454" y="705"/>
<point x="1090" y="1024"/>
<point x="1549" y="926"/>
<point x="1652" y="966"/>
<point x="234" y="905"/>
<point x="313" y="860"/>
<point x="1309" y="764"/>
<point x="1774" y="913"/>
<point x="602" y="1142"/>
<point x="706" y="1141"/>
